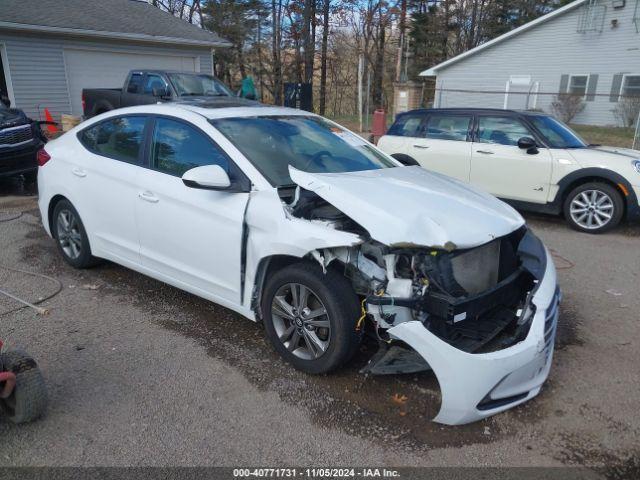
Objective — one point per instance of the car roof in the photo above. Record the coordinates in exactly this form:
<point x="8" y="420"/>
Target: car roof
<point x="500" y="111"/>
<point x="216" y="107"/>
<point x="159" y="70"/>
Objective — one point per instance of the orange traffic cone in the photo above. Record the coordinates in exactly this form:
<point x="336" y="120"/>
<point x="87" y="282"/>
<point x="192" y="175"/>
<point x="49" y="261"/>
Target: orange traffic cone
<point x="49" y="118"/>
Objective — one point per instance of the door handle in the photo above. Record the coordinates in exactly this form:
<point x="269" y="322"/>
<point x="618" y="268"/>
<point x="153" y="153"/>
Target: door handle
<point x="78" y="172"/>
<point x="148" y="197"/>
<point x="420" y="146"/>
<point x="485" y="152"/>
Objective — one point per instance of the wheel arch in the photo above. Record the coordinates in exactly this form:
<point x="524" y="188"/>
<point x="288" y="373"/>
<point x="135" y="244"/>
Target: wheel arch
<point x="270" y="265"/>
<point x="52" y="206"/>
<point x="102" y="106"/>
<point x="405" y="159"/>
<point x="266" y="267"/>
<point x="587" y="175"/>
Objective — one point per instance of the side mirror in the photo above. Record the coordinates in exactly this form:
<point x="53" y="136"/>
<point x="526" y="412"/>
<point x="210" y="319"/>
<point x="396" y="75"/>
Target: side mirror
<point x="160" y="92"/>
<point x="528" y="144"/>
<point x="208" y="177"/>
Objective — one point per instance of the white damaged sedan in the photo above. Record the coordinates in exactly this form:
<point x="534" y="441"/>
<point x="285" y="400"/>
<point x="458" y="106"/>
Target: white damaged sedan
<point x="291" y="220"/>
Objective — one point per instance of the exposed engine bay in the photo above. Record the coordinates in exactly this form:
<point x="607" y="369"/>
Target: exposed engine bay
<point x="474" y="299"/>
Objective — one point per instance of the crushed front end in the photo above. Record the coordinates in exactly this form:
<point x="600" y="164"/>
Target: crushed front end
<point x="462" y="287"/>
<point x="483" y="319"/>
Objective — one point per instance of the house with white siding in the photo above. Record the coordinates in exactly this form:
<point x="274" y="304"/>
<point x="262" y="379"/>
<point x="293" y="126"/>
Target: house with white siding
<point x="589" y="48"/>
<point x="50" y="49"/>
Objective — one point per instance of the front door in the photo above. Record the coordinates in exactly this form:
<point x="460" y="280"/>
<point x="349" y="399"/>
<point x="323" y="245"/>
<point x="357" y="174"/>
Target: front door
<point x="444" y="145"/>
<point x="189" y="237"/>
<point x="504" y="170"/>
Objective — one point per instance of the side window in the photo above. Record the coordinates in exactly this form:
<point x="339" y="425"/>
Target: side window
<point x="578" y="84"/>
<point x="119" y="138"/>
<point x="135" y="83"/>
<point x="153" y="81"/>
<point x="448" y="127"/>
<point x="407" y="125"/>
<point x="501" y="130"/>
<point x="178" y="147"/>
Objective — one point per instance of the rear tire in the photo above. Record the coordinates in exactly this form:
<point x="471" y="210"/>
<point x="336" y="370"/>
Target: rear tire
<point x="593" y="207"/>
<point x="71" y="236"/>
<point x="28" y="401"/>
<point x="310" y="340"/>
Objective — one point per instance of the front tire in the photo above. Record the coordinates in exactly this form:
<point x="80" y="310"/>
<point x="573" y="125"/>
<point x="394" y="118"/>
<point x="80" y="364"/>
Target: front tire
<point x="310" y="317"/>
<point x="71" y="236"/>
<point x="593" y="207"/>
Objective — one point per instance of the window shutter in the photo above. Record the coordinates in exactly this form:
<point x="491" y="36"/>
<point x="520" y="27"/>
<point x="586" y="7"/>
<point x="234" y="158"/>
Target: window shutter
<point x="564" y="83"/>
<point x="615" y="88"/>
<point x="592" y="84"/>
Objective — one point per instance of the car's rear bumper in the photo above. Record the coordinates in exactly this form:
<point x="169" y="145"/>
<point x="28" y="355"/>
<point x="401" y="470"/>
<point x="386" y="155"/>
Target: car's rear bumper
<point x="475" y="386"/>
<point x="14" y="161"/>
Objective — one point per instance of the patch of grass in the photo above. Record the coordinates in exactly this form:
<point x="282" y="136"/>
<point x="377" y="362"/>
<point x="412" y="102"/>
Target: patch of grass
<point x="612" y="136"/>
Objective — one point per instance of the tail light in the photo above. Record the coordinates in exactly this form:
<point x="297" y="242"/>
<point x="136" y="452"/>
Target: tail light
<point x="84" y="104"/>
<point x="43" y="157"/>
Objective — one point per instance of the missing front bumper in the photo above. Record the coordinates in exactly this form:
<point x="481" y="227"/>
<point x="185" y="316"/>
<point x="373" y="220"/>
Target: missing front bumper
<point x="475" y="386"/>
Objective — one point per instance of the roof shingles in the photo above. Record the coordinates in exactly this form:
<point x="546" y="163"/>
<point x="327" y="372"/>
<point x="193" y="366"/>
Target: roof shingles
<point x="133" y="17"/>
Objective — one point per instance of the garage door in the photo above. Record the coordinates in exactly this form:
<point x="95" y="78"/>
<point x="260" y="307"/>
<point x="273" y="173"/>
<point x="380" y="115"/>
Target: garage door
<point x="101" y="69"/>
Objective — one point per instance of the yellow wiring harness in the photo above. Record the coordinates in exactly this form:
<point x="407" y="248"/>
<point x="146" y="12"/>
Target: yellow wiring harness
<point x="363" y="312"/>
<point x="362" y="317"/>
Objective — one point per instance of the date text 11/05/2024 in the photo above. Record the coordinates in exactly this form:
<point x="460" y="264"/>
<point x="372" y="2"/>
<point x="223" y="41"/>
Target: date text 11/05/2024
<point x="315" y="472"/>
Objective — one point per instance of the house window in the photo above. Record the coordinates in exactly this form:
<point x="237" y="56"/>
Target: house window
<point x="578" y="84"/>
<point x="631" y="86"/>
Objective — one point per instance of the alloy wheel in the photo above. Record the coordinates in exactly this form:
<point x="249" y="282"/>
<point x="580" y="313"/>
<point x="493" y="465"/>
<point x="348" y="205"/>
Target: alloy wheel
<point x="68" y="234"/>
<point x="591" y="209"/>
<point x="301" y="321"/>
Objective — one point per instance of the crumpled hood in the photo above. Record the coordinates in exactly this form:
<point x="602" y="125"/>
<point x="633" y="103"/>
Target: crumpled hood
<point x="412" y="206"/>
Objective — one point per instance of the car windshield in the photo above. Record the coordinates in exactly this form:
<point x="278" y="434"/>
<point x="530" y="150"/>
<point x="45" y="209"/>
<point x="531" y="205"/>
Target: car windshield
<point x="310" y="144"/>
<point x="190" y="84"/>
<point x="558" y="135"/>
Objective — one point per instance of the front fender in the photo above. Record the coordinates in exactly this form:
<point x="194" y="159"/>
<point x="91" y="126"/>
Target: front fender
<point x="630" y="198"/>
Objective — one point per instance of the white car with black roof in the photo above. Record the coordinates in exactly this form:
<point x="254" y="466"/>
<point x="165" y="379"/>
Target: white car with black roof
<point x="529" y="159"/>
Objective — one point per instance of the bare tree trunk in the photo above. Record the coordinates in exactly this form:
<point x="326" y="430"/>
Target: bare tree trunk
<point x="308" y="40"/>
<point x="378" y="66"/>
<point x="323" y="56"/>
<point x="276" y="12"/>
<point x="241" y="65"/>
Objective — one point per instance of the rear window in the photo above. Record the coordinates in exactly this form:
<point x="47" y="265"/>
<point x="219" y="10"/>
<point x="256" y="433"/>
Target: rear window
<point x="135" y="83"/>
<point x="448" y="127"/>
<point x="119" y="138"/>
<point x="407" y="125"/>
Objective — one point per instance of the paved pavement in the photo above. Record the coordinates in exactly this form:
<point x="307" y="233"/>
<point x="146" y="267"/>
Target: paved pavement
<point x="140" y="373"/>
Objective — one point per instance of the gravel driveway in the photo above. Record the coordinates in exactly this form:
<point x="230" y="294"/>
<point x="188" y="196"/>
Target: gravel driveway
<point x="140" y="373"/>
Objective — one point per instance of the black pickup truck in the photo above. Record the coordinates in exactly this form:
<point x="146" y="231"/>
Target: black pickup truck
<point x="20" y="140"/>
<point x="143" y="87"/>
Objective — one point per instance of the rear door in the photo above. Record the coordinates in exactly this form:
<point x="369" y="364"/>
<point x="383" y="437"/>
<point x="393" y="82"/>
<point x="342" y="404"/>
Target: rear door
<point x="444" y="144"/>
<point x="189" y="237"/>
<point x="406" y="128"/>
<point x="104" y="180"/>
<point x="503" y="169"/>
